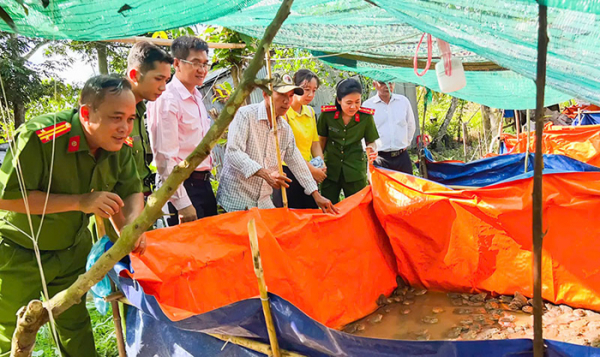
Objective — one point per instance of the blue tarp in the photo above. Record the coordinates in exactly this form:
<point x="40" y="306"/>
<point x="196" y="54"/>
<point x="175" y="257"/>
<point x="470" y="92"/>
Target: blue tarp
<point x="587" y="119"/>
<point x="498" y="169"/>
<point x="151" y="333"/>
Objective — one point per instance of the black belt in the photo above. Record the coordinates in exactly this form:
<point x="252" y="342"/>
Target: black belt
<point x="200" y="176"/>
<point x="391" y="153"/>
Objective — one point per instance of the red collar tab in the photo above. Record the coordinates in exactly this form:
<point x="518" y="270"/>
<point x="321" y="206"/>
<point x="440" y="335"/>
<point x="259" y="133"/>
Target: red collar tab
<point x="357" y="117"/>
<point x="328" y="108"/>
<point x="73" y="144"/>
<point x="337" y="115"/>
<point x="129" y="141"/>
<point x="367" y="110"/>
<point x="53" y="131"/>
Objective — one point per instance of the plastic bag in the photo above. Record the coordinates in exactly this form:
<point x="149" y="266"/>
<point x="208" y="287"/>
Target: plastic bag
<point x="103" y="288"/>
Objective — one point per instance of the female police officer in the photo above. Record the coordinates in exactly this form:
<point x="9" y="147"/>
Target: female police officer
<point x="341" y="129"/>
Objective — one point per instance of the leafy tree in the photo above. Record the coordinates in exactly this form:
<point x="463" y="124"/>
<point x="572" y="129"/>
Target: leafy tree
<point x="234" y="58"/>
<point x="21" y="79"/>
<point x="55" y="96"/>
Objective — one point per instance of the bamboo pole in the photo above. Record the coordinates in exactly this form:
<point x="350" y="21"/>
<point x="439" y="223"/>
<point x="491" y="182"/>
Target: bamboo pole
<point x="538" y="234"/>
<point x="168" y="42"/>
<point x="274" y="126"/>
<point x="101" y="230"/>
<point x="262" y="288"/>
<point x="31" y="318"/>
<point x="253" y="345"/>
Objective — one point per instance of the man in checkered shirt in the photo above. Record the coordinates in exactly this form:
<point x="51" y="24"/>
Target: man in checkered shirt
<point x="250" y="171"/>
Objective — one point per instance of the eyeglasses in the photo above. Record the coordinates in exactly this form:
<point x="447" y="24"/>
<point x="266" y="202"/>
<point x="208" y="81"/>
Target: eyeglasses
<point x="198" y="65"/>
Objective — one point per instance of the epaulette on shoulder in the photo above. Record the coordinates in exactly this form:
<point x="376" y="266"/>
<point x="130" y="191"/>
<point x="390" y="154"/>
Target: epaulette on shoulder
<point x="328" y="108"/>
<point x="367" y="110"/>
<point x="129" y="141"/>
<point x="53" y="131"/>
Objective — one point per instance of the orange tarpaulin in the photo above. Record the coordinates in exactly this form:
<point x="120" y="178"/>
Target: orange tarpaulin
<point x="578" y="142"/>
<point x="331" y="267"/>
<point x="334" y="267"/>
<point x="481" y="240"/>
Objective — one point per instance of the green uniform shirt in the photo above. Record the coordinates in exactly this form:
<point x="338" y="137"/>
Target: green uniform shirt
<point x="76" y="171"/>
<point x="344" y="152"/>
<point x="142" y="154"/>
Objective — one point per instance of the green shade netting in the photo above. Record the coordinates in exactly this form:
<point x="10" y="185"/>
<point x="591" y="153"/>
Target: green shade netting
<point x="501" y="31"/>
<point x="496" y="89"/>
<point x="504" y="32"/>
<point x="91" y="20"/>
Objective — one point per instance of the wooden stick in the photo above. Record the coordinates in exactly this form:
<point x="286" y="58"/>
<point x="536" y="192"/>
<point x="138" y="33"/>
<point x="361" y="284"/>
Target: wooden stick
<point x="274" y="125"/>
<point x="168" y="42"/>
<point x="528" y="140"/>
<point x="262" y="287"/>
<point x="464" y="130"/>
<point x="101" y="230"/>
<point x="537" y="202"/>
<point x="253" y="345"/>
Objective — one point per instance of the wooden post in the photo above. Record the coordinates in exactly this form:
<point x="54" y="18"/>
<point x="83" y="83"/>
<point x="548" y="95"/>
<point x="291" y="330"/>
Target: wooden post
<point x="101" y="230"/>
<point x="274" y="125"/>
<point x="528" y="140"/>
<point x="538" y="234"/>
<point x="262" y="287"/>
<point x="464" y="130"/>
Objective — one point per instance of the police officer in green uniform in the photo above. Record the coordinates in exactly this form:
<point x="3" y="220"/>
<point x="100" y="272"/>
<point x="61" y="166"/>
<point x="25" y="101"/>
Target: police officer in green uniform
<point x="148" y="71"/>
<point x="81" y="158"/>
<point x="341" y="129"/>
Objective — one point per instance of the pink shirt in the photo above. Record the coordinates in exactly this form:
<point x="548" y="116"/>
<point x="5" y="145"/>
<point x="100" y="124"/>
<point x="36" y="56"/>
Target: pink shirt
<point x="177" y="122"/>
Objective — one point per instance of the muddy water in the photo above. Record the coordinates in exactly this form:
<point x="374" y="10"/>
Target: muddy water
<point x="414" y="314"/>
<point x="434" y="316"/>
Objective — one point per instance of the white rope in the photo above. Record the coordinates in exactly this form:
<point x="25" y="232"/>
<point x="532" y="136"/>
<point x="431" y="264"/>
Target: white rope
<point x="23" y="189"/>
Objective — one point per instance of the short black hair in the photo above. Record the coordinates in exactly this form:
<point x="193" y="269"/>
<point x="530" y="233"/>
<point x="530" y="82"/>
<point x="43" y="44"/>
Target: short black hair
<point x="143" y="55"/>
<point x="345" y="87"/>
<point x="305" y="75"/>
<point x="181" y="46"/>
<point x="95" y="89"/>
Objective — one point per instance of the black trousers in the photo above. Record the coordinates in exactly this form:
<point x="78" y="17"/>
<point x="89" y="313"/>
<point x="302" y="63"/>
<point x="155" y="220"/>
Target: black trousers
<point x="202" y="196"/>
<point x="392" y="160"/>
<point x="295" y="194"/>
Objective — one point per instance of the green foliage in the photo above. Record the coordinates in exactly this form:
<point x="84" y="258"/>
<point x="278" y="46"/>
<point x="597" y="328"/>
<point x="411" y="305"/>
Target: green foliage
<point x="290" y="60"/>
<point x="104" y="335"/>
<point x="225" y="57"/>
<point x="436" y="112"/>
<point x="55" y="96"/>
<point x="21" y="80"/>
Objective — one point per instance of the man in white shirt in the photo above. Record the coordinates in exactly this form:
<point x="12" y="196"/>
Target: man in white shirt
<point x="396" y="126"/>
<point x="177" y="122"/>
<point x="250" y="171"/>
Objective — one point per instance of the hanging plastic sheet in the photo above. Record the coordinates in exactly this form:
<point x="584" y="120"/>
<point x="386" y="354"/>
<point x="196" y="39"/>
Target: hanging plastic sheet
<point x="481" y="239"/>
<point x="197" y="278"/>
<point x="496" y="169"/>
<point x="578" y="142"/>
<point x="331" y="267"/>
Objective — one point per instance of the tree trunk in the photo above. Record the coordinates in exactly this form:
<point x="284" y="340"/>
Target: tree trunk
<point x="102" y="58"/>
<point x="487" y="125"/>
<point x="19" y="112"/>
<point x="444" y="128"/>
<point x="28" y="328"/>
